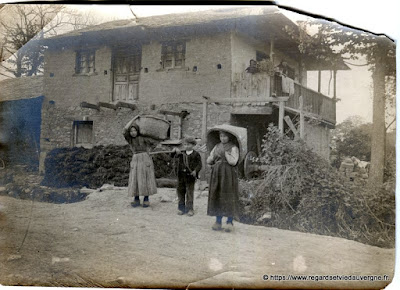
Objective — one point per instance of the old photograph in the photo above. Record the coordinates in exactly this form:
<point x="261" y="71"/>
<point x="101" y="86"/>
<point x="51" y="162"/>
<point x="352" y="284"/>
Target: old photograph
<point x="194" y="147"/>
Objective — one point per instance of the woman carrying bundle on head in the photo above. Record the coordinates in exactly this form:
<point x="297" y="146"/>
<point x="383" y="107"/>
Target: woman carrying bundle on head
<point x="142" y="181"/>
<point x="223" y="197"/>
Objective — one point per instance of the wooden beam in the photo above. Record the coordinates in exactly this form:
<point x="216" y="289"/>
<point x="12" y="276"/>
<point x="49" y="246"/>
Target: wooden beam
<point x="126" y="105"/>
<point x="271" y="57"/>
<point x="271" y="48"/>
<point x="90" y="106"/>
<point x="281" y="115"/>
<point x="204" y="123"/>
<point x="319" y="81"/>
<point x="301" y="117"/>
<point x="250" y="110"/>
<point x="258" y="141"/>
<point x="107" y="105"/>
<point x="181" y="114"/>
<point x="328" y="122"/>
<point x="291" y="126"/>
<point x="180" y="128"/>
<point x="204" y="138"/>
<point x="334" y="85"/>
<point x="248" y="100"/>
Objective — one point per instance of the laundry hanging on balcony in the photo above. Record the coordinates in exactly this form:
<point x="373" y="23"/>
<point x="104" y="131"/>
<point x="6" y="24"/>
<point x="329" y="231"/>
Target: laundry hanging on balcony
<point x="287" y="85"/>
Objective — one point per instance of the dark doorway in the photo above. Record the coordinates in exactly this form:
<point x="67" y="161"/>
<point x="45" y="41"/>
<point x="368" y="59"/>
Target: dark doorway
<point x="256" y="126"/>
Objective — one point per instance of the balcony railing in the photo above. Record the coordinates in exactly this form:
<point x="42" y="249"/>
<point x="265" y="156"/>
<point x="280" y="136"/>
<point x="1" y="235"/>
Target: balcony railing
<point x="259" y="86"/>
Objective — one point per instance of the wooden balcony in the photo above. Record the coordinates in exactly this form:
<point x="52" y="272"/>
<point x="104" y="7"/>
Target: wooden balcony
<point x="260" y="85"/>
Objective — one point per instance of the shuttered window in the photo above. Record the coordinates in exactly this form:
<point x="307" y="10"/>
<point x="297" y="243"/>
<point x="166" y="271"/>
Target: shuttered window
<point x="173" y="54"/>
<point x="83" y="133"/>
<point x="84" y="63"/>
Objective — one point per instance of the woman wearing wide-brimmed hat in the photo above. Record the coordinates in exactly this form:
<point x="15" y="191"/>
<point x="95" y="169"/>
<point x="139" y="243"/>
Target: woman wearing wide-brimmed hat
<point x="223" y="197"/>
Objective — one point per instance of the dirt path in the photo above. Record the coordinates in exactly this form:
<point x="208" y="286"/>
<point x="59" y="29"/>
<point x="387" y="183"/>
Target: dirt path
<point x="102" y="241"/>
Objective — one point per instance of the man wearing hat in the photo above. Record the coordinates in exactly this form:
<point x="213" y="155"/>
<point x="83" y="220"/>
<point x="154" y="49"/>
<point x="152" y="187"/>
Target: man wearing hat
<point x="189" y="166"/>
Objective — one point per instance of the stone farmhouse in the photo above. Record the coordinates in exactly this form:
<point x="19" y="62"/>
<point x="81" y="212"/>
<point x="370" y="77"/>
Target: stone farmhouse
<point x="197" y="70"/>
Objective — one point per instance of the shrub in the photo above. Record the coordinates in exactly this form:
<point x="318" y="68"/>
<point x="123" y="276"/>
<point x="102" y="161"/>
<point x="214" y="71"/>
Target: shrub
<point x="302" y="192"/>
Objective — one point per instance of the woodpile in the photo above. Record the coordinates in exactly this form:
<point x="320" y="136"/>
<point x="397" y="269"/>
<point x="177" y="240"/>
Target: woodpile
<point x="78" y="167"/>
<point x="354" y="169"/>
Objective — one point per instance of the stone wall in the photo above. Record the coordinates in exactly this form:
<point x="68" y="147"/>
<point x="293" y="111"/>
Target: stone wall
<point x="21" y="88"/>
<point x="57" y="122"/>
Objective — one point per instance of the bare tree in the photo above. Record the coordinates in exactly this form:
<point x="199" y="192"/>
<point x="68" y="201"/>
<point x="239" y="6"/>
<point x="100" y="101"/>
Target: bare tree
<point x="26" y="24"/>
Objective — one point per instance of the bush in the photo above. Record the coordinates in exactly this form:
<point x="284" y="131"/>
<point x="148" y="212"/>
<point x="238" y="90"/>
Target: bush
<point x="302" y="192"/>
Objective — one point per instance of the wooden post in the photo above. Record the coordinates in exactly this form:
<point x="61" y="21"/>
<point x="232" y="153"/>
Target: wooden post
<point x="301" y="117"/>
<point x="334" y="92"/>
<point x="271" y="57"/>
<point x="271" y="49"/>
<point x="281" y="115"/>
<point x="180" y="127"/>
<point x="334" y="84"/>
<point x="204" y="138"/>
<point x="258" y="140"/>
<point x="319" y="81"/>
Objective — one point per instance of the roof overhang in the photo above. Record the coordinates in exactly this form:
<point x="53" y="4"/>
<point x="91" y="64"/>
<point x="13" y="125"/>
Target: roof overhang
<point x="260" y="23"/>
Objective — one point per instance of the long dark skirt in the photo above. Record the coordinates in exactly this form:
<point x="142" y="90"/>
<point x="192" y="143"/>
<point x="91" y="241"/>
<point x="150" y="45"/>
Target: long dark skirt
<point x="223" y="197"/>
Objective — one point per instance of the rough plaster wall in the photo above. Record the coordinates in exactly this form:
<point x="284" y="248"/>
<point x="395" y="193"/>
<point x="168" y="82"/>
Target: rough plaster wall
<point x="21" y="88"/>
<point x="242" y="53"/>
<point x="178" y="85"/>
<point x="66" y="88"/>
<point x="317" y="138"/>
<point x="243" y="50"/>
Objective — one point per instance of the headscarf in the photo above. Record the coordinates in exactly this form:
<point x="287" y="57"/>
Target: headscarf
<point x="134" y="125"/>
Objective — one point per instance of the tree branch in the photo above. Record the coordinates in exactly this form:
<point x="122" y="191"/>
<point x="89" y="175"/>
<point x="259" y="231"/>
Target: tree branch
<point x="6" y="75"/>
<point x="353" y="64"/>
<point x="388" y="126"/>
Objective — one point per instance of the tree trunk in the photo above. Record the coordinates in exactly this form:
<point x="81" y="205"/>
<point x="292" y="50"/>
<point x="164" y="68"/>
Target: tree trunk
<point x="18" y="63"/>
<point x="378" y="121"/>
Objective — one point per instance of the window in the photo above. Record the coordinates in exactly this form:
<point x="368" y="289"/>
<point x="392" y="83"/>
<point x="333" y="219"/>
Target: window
<point x="83" y="133"/>
<point x="173" y="54"/>
<point x="85" y="62"/>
